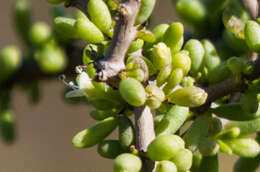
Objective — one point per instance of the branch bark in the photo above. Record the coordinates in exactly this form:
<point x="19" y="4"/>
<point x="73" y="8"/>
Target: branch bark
<point x="114" y="62"/>
<point x="125" y="32"/>
<point x="228" y="87"/>
<point x="252" y="6"/>
<point x="144" y="133"/>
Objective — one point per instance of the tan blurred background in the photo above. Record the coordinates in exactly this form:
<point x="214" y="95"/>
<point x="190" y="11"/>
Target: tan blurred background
<point x="45" y="131"/>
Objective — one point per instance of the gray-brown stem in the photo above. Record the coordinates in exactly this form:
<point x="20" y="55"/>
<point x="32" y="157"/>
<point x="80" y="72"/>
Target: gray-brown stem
<point x="252" y="6"/>
<point x="124" y="34"/>
<point x="144" y="133"/>
<point x="228" y="87"/>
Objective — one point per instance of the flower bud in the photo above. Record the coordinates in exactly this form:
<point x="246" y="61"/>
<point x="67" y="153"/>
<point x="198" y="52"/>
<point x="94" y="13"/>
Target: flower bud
<point x="187" y="81"/>
<point x="127" y="162"/>
<point x="244" y="147"/>
<point x="161" y="55"/>
<point x="164" y="147"/>
<point x="189" y="96"/>
<point x="182" y="60"/>
<point x="132" y="91"/>
<point x="173" y="37"/>
<point x="87" y="31"/>
<point x="100" y="15"/>
<point x="137" y="74"/>
<point x="159" y="32"/>
<point x="182" y="159"/>
<point x="137" y="68"/>
<point x="166" y="166"/>
<point x="196" y="53"/>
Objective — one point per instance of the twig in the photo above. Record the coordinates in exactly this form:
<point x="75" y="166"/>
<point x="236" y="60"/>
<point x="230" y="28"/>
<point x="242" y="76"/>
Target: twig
<point x="144" y="133"/>
<point x="29" y="71"/>
<point x="252" y="6"/>
<point x="227" y="87"/>
<point x="124" y="34"/>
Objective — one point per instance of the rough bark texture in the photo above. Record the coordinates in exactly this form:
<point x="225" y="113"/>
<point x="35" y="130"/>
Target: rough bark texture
<point x="125" y="32"/>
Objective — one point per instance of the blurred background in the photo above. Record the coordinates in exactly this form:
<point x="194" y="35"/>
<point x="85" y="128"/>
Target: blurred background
<point x="44" y="131"/>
